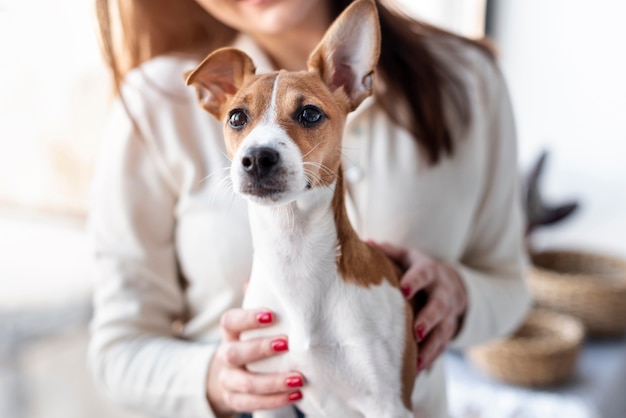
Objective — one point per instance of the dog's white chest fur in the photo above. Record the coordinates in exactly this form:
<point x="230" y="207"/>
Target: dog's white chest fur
<point x="345" y="338"/>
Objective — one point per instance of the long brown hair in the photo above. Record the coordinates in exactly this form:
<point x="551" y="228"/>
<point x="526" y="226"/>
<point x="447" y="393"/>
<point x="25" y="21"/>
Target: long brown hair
<point x="133" y="31"/>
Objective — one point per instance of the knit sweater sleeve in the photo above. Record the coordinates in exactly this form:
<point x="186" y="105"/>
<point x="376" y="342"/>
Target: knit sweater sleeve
<point x="136" y="357"/>
<point x="492" y="267"/>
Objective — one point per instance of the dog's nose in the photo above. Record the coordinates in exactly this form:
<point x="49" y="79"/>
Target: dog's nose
<point x="260" y="160"/>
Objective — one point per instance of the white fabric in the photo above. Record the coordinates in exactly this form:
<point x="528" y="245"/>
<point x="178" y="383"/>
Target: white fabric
<point x="595" y="390"/>
<point x="170" y="242"/>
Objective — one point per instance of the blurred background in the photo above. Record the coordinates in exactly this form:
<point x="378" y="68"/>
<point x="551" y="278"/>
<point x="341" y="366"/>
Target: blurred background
<point x="565" y="65"/>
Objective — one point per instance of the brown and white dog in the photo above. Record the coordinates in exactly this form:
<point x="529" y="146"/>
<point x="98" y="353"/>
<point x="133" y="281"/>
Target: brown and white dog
<point x="349" y="327"/>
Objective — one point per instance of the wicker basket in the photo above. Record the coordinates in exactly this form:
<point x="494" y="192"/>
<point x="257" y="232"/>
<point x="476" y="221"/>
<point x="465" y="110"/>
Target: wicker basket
<point x="589" y="286"/>
<point x="543" y="351"/>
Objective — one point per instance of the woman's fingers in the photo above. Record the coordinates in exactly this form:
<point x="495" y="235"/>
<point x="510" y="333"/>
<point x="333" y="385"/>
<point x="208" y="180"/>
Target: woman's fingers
<point x="239" y="353"/>
<point x="446" y="299"/>
<point x="242" y="390"/>
<point x="420" y="269"/>
<point x="416" y="278"/>
<point x="251" y="402"/>
<point x="230" y="386"/>
<point x="437" y="308"/>
<point x="241" y="381"/>
<point x="435" y="343"/>
<point x="236" y="321"/>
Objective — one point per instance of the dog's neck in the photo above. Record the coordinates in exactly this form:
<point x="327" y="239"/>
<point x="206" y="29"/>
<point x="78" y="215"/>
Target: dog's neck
<point x="293" y="222"/>
<point x="304" y="236"/>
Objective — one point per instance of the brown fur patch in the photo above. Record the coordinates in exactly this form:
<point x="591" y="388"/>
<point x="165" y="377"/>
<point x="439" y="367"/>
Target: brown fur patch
<point x="359" y="262"/>
<point x="320" y="145"/>
<point x="252" y="103"/>
<point x="366" y="266"/>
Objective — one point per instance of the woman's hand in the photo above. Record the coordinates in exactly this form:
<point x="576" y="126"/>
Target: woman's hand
<point x="440" y="319"/>
<point x="230" y="387"/>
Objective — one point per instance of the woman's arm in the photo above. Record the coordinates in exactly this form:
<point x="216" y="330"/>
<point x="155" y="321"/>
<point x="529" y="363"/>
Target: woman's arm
<point x="134" y="354"/>
<point x="482" y="295"/>
<point x="493" y="266"/>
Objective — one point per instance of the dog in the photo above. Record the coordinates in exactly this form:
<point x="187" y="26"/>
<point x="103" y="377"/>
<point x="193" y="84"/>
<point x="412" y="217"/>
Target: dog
<point x="348" y="325"/>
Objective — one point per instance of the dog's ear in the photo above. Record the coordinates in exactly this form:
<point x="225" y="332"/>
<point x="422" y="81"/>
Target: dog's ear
<point x="220" y="74"/>
<point x="347" y="55"/>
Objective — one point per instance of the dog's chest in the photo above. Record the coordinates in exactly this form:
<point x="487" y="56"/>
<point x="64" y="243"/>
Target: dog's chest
<point x="345" y="337"/>
<point x="330" y="332"/>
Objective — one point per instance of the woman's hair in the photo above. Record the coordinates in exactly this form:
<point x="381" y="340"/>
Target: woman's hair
<point x="134" y="31"/>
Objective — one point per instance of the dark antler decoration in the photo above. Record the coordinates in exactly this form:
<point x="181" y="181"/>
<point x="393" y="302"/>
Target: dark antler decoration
<point x="538" y="213"/>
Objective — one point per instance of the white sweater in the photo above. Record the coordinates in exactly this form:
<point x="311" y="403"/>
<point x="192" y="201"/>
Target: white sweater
<point x="171" y="243"/>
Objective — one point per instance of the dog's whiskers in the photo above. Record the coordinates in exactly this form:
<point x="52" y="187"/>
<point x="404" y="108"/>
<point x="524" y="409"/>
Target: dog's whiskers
<point x="316" y="176"/>
<point x="221" y="184"/>
<point x="220" y="171"/>
<point x="313" y="178"/>
<point x="227" y="157"/>
<point x="313" y="149"/>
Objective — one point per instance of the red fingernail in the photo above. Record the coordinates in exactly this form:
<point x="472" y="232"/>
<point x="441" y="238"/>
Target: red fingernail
<point x="294" y="396"/>
<point x="294" y="382"/>
<point x="264" y="317"/>
<point x="406" y="291"/>
<point x="420" y="332"/>
<point x="420" y="364"/>
<point x="280" y="345"/>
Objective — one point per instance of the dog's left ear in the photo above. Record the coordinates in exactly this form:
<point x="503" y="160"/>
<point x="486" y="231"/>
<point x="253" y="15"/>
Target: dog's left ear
<point x="221" y="74"/>
<point x="347" y="55"/>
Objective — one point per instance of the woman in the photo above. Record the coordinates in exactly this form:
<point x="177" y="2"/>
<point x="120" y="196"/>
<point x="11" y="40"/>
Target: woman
<point x="431" y="169"/>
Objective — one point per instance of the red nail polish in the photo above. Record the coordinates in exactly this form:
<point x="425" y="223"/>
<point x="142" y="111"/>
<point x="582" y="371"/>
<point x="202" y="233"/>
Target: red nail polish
<point x="294" y="382"/>
<point x="280" y="345"/>
<point x="264" y="317"/>
<point x="420" y="332"/>
<point x="294" y="396"/>
<point x="420" y="364"/>
<point x="406" y="291"/>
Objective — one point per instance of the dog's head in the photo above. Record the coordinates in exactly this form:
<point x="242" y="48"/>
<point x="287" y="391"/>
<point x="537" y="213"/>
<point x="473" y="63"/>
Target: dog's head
<point x="283" y="130"/>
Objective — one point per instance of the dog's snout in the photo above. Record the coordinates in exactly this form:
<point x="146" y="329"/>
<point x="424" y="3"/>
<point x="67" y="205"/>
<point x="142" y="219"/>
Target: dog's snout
<point x="260" y="160"/>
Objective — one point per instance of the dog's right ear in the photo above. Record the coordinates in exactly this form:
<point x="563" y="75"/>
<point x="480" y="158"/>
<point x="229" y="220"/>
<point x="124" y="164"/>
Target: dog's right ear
<point x="220" y="74"/>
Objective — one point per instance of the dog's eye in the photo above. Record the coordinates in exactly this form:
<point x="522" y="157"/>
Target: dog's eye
<point x="237" y="119"/>
<point x="310" y="116"/>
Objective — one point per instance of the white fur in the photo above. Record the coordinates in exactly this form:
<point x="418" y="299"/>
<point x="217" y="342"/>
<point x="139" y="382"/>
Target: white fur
<point x="347" y="340"/>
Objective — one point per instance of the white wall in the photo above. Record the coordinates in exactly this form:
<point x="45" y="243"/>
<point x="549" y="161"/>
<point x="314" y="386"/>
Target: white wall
<point x="566" y="66"/>
<point x="53" y="99"/>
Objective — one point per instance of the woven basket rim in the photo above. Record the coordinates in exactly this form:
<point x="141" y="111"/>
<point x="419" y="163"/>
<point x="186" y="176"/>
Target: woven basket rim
<point x="539" y="362"/>
<point x="566" y="333"/>
<point x="579" y="279"/>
